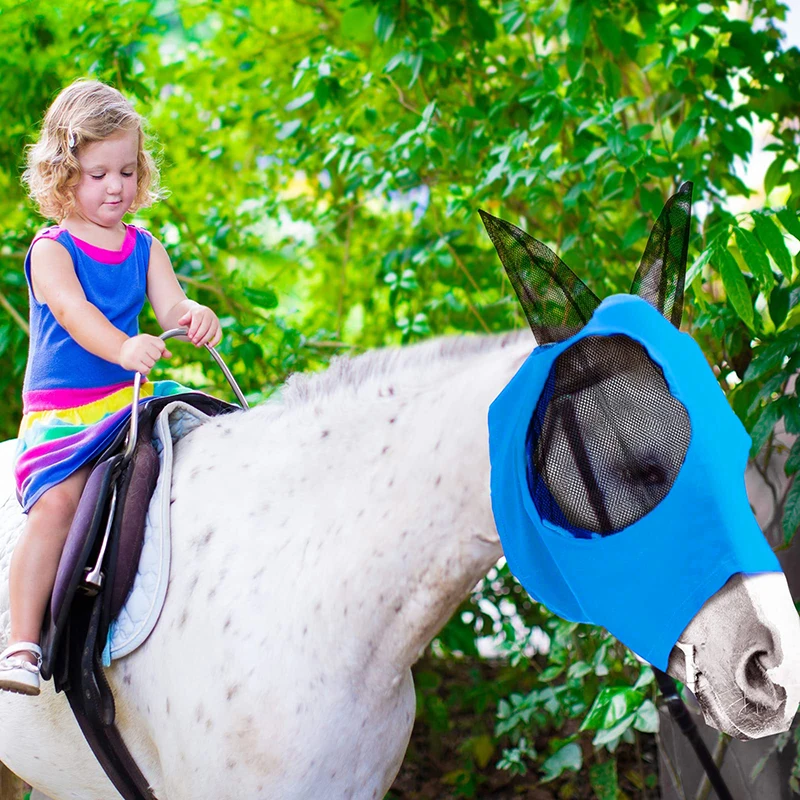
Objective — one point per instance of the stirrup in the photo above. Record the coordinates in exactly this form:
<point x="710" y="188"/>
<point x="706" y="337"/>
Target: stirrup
<point x="18" y="674"/>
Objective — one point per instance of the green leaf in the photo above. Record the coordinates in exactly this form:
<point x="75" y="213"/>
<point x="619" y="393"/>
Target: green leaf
<point x="288" y="129"/>
<point x="569" y="757"/>
<point x="396" y="60"/>
<point x="299" y="102"/>
<point x="791" y="512"/>
<point x="612" y="78"/>
<point x="607" y="735"/>
<point x="735" y="285"/>
<point x="739" y="140"/>
<point x="646" y="677"/>
<point x="638" y="132"/>
<point x="792" y="464"/>
<point x="616" y="142"/>
<point x="754" y="257"/>
<point x="603" y="779"/>
<point x="622" y="104"/>
<point x="513" y="18"/>
<point x="551" y="673"/>
<point x="593" y="120"/>
<point x="578" y="19"/>
<point x="494" y="173"/>
<point x="598" y="152"/>
<point x="384" y="26"/>
<point x="638" y="229"/>
<point x="789" y="221"/>
<point x="779" y="305"/>
<point x="772" y="355"/>
<point x="773" y="385"/>
<point x="771" y="236"/>
<point x="470" y="112"/>
<point x="609" y="33"/>
<point x="578" y="669"/>
<point x="481" y="21"/>
<point x="763" y="428"/>
<point x="689" y="21"/>
<point x="646" y="719"/>
<point x="547" y="152"/>
<point x="611" y="705"/>
<point x="791" y="414"/>
<point x="697" y="266"/>
<point x="687" y="132"/>
<point x="300" y="72"/>
<point x="482" y="748"/>
<point x="357" y="23"/>
<point x="261" y="297"/>
<point x="774" y="176"/>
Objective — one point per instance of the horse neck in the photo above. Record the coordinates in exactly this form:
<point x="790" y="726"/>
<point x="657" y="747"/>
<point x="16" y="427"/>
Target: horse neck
<point x="366" y="499"/>
<point x="428" y="531"/>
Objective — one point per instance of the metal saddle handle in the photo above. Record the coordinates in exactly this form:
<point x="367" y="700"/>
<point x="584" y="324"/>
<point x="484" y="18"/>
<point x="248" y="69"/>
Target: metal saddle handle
<point x="138" y="381"/>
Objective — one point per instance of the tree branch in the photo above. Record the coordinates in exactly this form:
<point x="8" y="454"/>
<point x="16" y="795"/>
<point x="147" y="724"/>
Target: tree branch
<point x="401" y="98"/>
<point x="14" y="314"/>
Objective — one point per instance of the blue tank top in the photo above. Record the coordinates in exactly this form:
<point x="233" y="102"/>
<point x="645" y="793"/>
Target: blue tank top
<point x="115" y="282"/>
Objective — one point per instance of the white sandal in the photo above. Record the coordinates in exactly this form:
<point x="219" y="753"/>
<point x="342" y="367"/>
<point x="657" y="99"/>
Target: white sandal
<point x="18" y="674"/>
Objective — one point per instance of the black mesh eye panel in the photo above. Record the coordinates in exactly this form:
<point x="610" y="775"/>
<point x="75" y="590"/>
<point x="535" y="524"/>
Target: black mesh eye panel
<point x="607" y="439"/>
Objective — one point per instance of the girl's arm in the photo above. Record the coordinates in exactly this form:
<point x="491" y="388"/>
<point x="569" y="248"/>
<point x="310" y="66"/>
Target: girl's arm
<point x="55" y="283"/>
<point x="171" y="306"/>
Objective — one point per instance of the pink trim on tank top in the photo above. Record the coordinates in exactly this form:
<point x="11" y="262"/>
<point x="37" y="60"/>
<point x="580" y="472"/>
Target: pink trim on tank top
<point x="109" y="256"/>
<point x="97" y="253"/>
<point x="54" y="399"/>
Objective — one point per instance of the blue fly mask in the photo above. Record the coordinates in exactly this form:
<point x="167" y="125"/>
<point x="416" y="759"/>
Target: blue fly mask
<point x="617" y="464"/>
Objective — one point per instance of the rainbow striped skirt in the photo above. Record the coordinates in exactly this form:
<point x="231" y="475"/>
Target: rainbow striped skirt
<point x="64" y="429"/>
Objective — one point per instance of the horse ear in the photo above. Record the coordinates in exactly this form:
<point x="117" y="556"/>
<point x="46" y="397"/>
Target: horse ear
<point x="555" y="301"/>
<point x="662" y="271"/>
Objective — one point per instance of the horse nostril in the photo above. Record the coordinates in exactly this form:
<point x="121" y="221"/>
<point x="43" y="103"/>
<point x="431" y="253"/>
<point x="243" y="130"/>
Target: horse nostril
<point x="756" y="684"/>
<point x="754" y="671"/>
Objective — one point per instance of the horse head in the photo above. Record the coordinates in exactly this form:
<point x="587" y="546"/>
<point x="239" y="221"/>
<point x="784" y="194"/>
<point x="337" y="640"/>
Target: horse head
<point x="618" y="483"/>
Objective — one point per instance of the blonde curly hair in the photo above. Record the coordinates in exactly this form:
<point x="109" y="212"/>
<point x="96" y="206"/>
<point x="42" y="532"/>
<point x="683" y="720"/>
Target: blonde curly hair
<point x="86" y="111"/>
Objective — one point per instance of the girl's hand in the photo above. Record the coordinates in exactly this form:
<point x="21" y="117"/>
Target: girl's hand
<point x="203" y="325"/>
<point x="141" y="352"/>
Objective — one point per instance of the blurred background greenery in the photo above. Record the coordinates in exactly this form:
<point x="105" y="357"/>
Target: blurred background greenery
<point x="325" y="161"/>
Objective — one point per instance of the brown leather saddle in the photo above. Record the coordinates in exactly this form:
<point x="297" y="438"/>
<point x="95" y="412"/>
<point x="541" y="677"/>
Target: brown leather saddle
<point x="96" y="573"/>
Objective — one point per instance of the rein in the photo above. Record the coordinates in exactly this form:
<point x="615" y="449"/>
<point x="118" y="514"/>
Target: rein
<point x="684" y="720"/>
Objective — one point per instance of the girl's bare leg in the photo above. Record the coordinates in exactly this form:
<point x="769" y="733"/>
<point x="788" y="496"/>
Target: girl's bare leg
<point x="34" y="563"/>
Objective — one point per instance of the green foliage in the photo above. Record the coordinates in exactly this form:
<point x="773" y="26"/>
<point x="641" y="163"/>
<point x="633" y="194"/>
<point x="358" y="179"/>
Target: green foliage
<point x="604" y="782"/>
<point x="567" y="757"/>
<point x="326" y="161"/>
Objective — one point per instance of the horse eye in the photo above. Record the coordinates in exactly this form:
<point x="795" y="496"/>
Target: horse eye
<point x="652" y="475"/>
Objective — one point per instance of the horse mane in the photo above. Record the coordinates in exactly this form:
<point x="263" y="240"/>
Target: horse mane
<point x="353" y="372"/>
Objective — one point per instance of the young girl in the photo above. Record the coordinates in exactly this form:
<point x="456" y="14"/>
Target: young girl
<point x="87" y="280"/>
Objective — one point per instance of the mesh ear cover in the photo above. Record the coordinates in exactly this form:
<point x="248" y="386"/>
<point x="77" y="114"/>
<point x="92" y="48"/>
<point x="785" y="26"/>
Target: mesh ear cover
<point x="662" y="270"/>
<point x="556" y="302"/>
<point x="607" y="438"/>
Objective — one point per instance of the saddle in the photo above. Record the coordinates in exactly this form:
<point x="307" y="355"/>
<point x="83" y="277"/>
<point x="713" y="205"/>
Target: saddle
<point x="95" y="575"/>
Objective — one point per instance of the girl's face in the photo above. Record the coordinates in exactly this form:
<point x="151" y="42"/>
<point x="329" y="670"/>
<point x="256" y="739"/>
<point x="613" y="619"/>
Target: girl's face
<point x="107" y="186"/>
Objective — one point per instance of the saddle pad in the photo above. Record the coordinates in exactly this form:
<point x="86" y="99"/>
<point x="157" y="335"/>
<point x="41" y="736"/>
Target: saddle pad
<point x="141" y="610"/>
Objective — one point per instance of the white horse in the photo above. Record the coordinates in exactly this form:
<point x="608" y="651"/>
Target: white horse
<point x="319" y="542"/>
